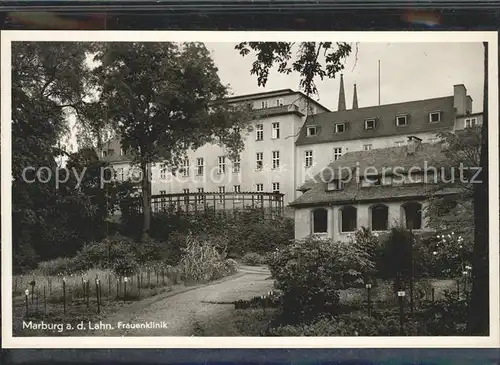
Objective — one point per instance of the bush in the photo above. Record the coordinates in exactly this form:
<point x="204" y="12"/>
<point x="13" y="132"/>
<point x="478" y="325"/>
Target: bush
<point x="252" y="259"/>
<point x="106" y="254"/>
<point x="202" y="262"/>
<point x="62" y="265"/>
<point x="311" y="272"/>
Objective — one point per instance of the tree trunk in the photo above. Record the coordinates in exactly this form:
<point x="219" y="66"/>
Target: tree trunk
<point x="478" y="321"/>
<point x="146" y="200"/>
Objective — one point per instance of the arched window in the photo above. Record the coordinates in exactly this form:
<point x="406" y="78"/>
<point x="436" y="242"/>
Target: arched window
<point x="320" y="221"/>
<point x="349" y="219"/>
<point x="380" y="217"/>
<point x="413" y="215"/>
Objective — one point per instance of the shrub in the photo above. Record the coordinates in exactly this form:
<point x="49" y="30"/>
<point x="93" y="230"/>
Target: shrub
<point x="252" y="259"/>
<point x="311" y="272"/>
<point x="61" y="265"/>
<point x="202" y="262"/>
<point x="105" y="254"/>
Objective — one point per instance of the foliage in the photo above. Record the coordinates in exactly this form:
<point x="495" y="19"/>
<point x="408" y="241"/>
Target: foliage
<point x="308" y="61"/>
<point x="60" y="265"/>
<point x="201" y="261"/>
<point x="238" y="234"/>
<point x="252" y="259"/>
<point x="449" y="255"/>
<point x="48" y="84"/>
<point x="401" y="256"/>
<point x="311" y="272"/>
<point x="447" y="316"/>
<point x="162" y="99"/>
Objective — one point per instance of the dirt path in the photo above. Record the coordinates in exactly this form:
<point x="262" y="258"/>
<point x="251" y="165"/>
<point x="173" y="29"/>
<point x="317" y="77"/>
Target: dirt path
<point x="179" y="314"/>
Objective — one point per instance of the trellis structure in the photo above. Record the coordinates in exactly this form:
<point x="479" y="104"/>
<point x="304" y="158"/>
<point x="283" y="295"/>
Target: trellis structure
<point x="271" y="204"/>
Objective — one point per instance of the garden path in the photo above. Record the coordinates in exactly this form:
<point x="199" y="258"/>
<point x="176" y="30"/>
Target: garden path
<point x="184" y="311"/>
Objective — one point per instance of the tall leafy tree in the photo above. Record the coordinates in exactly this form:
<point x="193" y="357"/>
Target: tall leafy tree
<point x="310" y="60"/>
<point x="48" y="82"/>
<point x="164" y="99"/>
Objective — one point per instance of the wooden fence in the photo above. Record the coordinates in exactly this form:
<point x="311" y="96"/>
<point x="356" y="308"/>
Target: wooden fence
<point x="269" y="203"/>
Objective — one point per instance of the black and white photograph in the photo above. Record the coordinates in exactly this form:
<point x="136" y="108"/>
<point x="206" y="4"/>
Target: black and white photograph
<point x="326" y="187"/>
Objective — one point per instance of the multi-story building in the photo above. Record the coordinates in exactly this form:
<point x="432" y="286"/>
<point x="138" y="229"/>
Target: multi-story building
<point x="265" y="165"/>
<point x="326" y="137"/>
<point x="292" y="137"/>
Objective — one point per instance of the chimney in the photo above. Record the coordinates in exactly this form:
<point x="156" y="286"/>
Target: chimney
<point x="355" y="98"/>
<point x="468" y="109"/>
<point x="413" y="143"/>
<point x="341" y="94"/>
<point x="460" y="99"/>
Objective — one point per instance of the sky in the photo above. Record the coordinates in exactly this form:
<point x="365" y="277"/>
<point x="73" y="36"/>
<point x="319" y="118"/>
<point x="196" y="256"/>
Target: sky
<point x="408" y="71"/>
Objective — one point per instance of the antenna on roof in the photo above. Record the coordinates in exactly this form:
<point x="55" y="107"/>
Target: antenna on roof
<point x="378" y="82"/>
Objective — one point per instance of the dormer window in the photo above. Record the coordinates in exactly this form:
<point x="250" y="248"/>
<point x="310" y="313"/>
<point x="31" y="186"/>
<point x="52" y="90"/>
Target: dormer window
<point x="335" y="185"/>
<point x="369" y="124"/>
<point x="339" y="127"/>
<point x="434" y="117"/>
<point x="470" y="122"/>
<point x="401" y="120"/>
<point x="311" y="131"/>
<point x="280" y="102"/>
<point x="263" y="104"/>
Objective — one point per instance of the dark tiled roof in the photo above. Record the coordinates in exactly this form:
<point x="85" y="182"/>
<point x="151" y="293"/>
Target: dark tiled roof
<point x="418" y="121"/>
<point x="381" y="160"/>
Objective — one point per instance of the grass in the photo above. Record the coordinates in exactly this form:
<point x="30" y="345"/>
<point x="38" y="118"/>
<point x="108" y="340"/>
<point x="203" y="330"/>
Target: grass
<point x="257" y="321"/>
<point x="46" y="301"/>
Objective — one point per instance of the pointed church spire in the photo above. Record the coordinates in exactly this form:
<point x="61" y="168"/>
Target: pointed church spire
<point x="341" y="94"/>
<point x="355" y="98"/>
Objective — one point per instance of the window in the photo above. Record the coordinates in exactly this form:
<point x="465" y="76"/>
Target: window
<point x="186" y="197"/>
<point x="337" y="153"/>
<point x="236" y="130"/>
<point x="200" y="198"/>
<point x="339" y="127"/>
<point x="401" y="120"/>
<point x="276" y="130"/>
<point x="163" y="173"/>
<point x="200" y="166"/>
<point x="280" y="102"/>
<point x="222" y="165"/>
<point x="185" y="191"/>
<point x="276" y="159"/>
<point x="163" y="192"/>
<point x="259" y="188"/>
<point x="237" y="188"/>
<point x="335" y="185"/>
<point x="311" y="131"/>
<point x="237" y="164"/>
<point x="470" y="122"/>
<point x="260" y="160"/>
<point x="185" y="168"/>
<point x="260" y="132"/>
<point x="104" y="153"/>
<point x="348" y="219"/>
<point x="379" y="218"/>
<point x="111" y="152"/>
<point x="434" y="117"/>
<point x="399" y="143"/>
<point x="370" y="124"/>
<point x="263" y="104"/>
<point x="320" y="221"/>
<point x="367" y="147"/>
<point x="276" y="187"/>
<point x="309" y="158"/>
<point x="222" y="191"/>
<point x="413" y="215"/>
